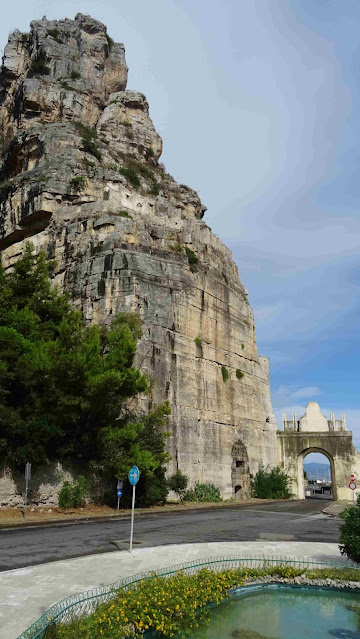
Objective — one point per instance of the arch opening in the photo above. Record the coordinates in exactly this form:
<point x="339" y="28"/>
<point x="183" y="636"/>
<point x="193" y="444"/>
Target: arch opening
<point x="316" y="478"/>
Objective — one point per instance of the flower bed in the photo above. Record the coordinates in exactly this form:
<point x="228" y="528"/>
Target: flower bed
<point x="178" y="603"/>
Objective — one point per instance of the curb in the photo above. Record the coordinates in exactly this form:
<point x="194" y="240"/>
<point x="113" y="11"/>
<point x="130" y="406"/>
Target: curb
<point x="138" y="513"/>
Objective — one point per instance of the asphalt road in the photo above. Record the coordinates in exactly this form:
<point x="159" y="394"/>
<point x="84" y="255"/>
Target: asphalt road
<point x="302" y="519"/>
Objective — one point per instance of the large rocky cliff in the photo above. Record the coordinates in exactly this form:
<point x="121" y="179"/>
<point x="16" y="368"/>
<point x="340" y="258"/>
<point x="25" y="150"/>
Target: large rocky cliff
<point x="80" y="177"/>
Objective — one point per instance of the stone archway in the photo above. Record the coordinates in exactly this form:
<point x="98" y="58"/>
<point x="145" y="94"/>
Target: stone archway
<point x="315" y="433"/>
<point x="240" y="473"/>
<point x="300" y="470"/>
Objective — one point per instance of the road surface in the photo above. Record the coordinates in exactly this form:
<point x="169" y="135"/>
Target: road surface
<point x="303" y="520"/>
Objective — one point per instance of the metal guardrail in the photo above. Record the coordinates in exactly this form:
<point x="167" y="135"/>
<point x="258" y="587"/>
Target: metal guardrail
<point x="86" y="602"/>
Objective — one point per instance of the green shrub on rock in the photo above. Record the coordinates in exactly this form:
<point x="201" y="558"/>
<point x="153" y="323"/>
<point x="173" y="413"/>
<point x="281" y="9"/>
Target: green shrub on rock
<point x="38" y="67"/>
<point x="88" y="136"/>
<point x="350" y="532"/>
<point x="192" y="259"/>
<point x="124" y="214"/>
<point x="55" y="35"/>
<point x="78" y="182"/>
<point x="131" y="176"/>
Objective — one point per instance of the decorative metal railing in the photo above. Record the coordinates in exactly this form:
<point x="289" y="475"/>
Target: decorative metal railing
<point x="84" y="603"/>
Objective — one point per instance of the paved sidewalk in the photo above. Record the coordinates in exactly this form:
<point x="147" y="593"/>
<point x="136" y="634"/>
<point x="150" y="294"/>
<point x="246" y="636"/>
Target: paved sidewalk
<point x="26" y="593"/>
<point x="336" y="507"/>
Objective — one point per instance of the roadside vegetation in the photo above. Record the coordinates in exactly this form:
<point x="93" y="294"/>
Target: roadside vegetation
<point x="207" y="492"/>
<point x="271" y="484"/>
<point x="350" y="532"/>
<point x="175" y="605"/>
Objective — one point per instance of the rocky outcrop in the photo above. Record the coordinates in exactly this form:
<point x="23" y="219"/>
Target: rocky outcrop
<point x="80" y="177"/>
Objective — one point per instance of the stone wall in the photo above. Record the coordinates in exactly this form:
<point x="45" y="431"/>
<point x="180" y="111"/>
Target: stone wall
<point x="45" y="485"/>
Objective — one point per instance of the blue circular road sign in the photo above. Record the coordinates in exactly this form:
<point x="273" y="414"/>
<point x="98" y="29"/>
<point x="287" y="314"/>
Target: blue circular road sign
<point x="134" y="475"/>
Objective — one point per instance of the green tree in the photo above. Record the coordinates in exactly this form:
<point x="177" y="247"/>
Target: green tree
<point x="139" y="440"/>
<point x="178" y="483"/>
<point x="62" y="384"/>
<point x="350" y="532"/>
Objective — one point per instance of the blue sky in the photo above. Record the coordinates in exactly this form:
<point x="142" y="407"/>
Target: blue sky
<point x="257" y="102"/>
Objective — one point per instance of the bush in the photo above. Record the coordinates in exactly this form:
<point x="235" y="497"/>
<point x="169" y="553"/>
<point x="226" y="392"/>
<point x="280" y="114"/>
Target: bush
<point x="350" y="532"/>
<point x="239" y="373"/>
<point x="198" y="341"/>
<point x="154" y="190"/>
<point x="75" y="75"/>
<point x="38" y="67"/>
<point x="89" y="136"/>
<point x="225" y="373"/>
<point x="55" y="35"/>
<point x="110" y="41"/>
<point x="124" y="214"/>
<point x="74" y="495"/>
<point x="192" y="259"/>
<point x="78" y="182"/>
<point x="89" y="146"/>
<point x="131" y="176"/>
<point x="64" y="85"/>
<point x="178" y="483"/>
<point x="271" y="484"/>
<point x="66" y="495"/>
<point x="88" y="165"/>
<point x="203" y="492"/>
<point x="139" y="167"/>
<point x="80" y="491"/>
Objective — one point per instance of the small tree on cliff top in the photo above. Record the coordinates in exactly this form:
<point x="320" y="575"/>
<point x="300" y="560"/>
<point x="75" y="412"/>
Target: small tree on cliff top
<point x="63" y="384"/>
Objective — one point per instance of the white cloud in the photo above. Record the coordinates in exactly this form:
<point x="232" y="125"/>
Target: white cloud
<point x="285" y="394"/>
<point x="306" y="391"/>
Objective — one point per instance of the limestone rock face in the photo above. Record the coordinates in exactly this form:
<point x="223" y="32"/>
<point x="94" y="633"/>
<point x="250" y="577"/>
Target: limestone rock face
<point x="80" y="176"/>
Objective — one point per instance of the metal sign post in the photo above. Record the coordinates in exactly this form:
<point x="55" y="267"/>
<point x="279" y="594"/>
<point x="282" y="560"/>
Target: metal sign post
<point x="27" y="479"/>
<point x="119" y="492"/>
<point x="352" y="486"/>
<point x="134" y="475"/>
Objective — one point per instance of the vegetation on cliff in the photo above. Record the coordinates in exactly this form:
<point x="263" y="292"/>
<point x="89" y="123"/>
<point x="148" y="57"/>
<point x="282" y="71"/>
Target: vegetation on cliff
<point x="63" y="384"/>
